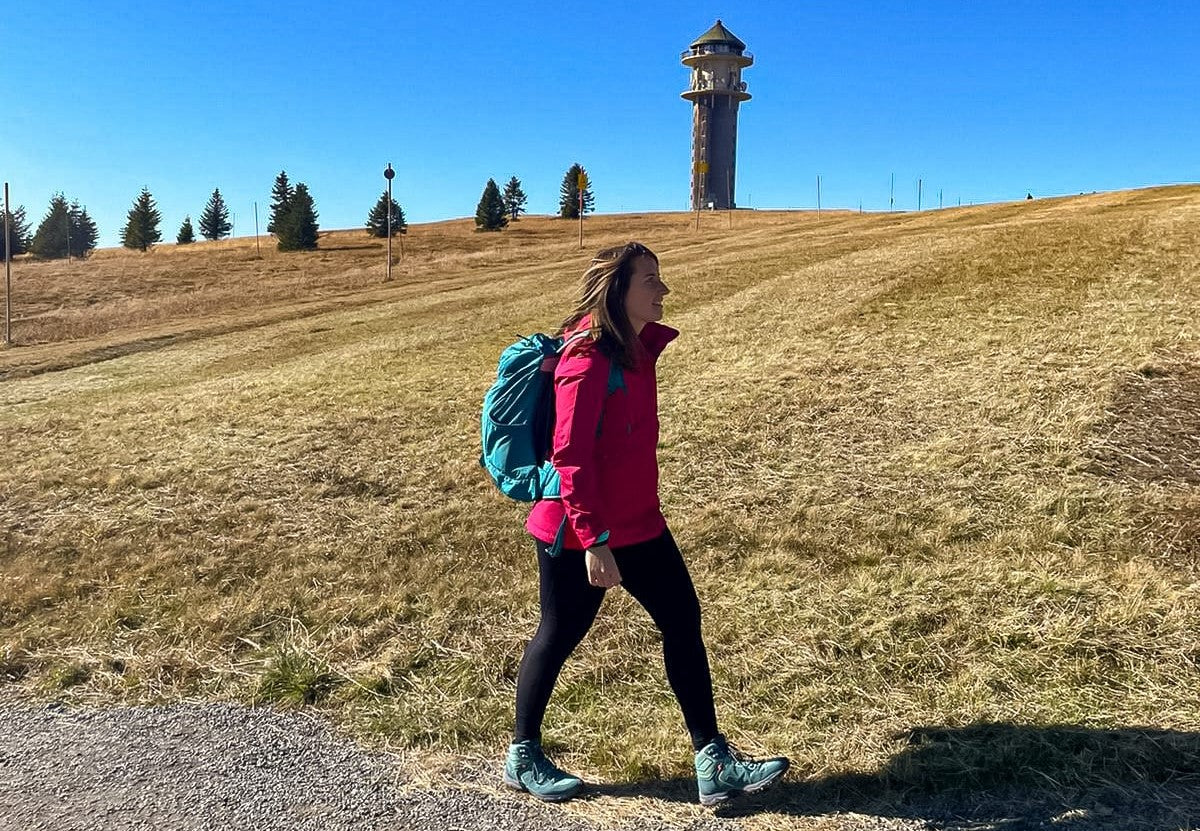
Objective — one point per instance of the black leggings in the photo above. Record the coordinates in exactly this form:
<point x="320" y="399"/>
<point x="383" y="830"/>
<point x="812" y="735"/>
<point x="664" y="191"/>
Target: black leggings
<point x="655" y="574"/>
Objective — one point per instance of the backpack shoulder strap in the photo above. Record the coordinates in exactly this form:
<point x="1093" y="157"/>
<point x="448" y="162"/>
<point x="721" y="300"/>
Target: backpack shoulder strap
<point x="616" y="377"/>
<point x="571" y="340"/>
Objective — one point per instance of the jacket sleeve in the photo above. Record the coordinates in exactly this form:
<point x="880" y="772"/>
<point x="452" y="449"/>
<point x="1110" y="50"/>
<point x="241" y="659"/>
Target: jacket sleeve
<point x="580" y="387"/>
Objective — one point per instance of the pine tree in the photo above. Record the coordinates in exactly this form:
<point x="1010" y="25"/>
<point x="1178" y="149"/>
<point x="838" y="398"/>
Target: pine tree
<point x="514" y="198"/>
<point x="18" y="231"/>
<point x="141" y="226"/>
<point x="84" y="233"/>
<point x="64" y="223"/>
<point x="489" y="213"/>
<point x="50" y="240"/>
<point x="186" y="233"/>
<point x="568" y="202"/>
<point x="281" y="197"/>
<point x="214" y="222"/>
<point x="377" y="218"/>
<point x="297" y="227"/>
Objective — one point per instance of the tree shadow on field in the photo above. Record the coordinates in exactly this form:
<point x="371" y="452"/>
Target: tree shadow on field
<point x="998" y="776"/>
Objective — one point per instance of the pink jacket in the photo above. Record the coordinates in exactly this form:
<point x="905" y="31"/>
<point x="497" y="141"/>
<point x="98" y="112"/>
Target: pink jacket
<point x="610" y="480"/>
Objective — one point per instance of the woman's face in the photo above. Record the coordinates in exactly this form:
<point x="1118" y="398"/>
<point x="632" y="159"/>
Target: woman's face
<point x="644" y="299"/>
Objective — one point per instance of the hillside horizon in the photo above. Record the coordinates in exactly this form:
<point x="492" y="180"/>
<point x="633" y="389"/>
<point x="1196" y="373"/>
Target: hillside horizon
<point x="166" y="242"/>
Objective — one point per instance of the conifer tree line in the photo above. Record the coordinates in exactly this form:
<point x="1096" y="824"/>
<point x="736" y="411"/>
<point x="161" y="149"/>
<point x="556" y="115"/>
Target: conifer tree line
<point x="141" y="229"/>
<point x="293" y="219"/>
<point x="67" y="229"/>
<point x="495" y="209"/>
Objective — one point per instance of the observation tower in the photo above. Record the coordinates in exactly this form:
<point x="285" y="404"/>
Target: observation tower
<point x="716" y="59"/>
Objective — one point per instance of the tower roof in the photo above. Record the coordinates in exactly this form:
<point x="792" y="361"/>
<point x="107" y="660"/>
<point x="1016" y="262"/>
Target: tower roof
<point x="718" y="34"/>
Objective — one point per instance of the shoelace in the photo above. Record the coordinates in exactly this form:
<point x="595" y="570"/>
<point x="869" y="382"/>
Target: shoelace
<point x="739" y="757"/>
<point x="543" y="769"/>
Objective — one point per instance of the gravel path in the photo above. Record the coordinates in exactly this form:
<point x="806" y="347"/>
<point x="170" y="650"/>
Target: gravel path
<point x="220" y="766"/>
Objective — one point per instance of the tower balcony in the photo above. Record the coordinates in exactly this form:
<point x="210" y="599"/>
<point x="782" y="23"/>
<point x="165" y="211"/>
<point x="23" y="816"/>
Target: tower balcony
<point x="715" y="52"/>
<point x="700" y="89"/>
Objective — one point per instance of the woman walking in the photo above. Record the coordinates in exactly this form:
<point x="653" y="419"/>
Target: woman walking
<point x="607" y="529"/>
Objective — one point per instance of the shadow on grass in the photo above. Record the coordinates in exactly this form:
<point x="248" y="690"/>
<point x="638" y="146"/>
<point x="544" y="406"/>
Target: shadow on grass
<point x="355" y="247"/>
<point x="997" y="776"/>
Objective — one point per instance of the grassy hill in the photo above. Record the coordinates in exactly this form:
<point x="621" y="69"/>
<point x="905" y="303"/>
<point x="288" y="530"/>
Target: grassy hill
<point x="935" y="470"/>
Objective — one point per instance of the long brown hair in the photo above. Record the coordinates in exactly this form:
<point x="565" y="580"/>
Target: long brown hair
<point x="602" y="295"/>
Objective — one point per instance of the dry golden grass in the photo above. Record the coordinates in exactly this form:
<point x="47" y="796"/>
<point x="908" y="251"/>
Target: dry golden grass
<point x="894" y="451"/>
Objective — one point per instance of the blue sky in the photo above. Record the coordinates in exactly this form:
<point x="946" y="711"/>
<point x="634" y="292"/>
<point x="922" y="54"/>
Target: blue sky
<point x="984" y="101"/>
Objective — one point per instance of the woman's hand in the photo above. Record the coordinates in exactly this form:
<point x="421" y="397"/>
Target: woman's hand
<point x="602" y="567"/>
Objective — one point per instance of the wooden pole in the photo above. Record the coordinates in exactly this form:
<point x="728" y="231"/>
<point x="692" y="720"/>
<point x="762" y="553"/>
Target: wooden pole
<point x="389" y="174"/>
<point x="7" y="273"/>
<point x="581" y="185"/>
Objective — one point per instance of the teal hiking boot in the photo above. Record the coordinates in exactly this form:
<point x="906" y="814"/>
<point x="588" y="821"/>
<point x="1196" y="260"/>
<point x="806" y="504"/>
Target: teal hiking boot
<point x="722" y="773"/>
<point x="528" y="769"/>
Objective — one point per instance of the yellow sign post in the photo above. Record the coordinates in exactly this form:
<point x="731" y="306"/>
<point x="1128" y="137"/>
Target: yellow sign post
<point x="582" y="184"/>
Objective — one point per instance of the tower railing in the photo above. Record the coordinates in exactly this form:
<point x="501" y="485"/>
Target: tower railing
<point x="713" y="86"/>
<point x="696" y="53"/>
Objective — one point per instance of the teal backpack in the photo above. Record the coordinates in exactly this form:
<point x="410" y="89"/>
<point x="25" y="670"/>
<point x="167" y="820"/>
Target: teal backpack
<point x="518" y="419"/>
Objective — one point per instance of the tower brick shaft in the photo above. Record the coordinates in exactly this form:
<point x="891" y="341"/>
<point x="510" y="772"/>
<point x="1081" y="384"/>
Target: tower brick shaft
<point x="716" y="59"/>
